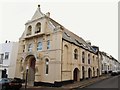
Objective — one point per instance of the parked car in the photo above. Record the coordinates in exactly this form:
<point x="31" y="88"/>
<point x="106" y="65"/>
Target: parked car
<point x="10" y="84"/>
<point x="114" y="73"/>
<point x="118" y="72"/>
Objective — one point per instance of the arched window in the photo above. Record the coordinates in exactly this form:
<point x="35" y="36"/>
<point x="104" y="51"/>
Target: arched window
<point x="88" y="58"/>
<point x="75" y="54"/>
<point x="83" y="57"/>
<point x="38" y="28"/>
<point x="66" y="52"/>
<point x="30" y="47"/>
<point x="48" y="44"/>
<point x="46" y="66"/>
<point x="29" y="31"/>
<point x="39" y="46"/>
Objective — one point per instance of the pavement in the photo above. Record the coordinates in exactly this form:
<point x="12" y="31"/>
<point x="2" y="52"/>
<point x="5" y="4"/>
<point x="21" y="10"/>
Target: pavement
<point x="87" y="82"/>
<point x="80" y="84"/>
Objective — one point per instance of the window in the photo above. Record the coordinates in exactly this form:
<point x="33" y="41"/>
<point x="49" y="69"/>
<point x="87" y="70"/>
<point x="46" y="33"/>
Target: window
<point x="83" y="57"/>
<point x="29" y="31"/>
<point x="23" y="48"/>
<point x="102" y="66"/>
<point x="88" y="58"/>
<point x="30" y="47"/>
<point x="75" y="54"/>
<point x="48" y="44"/>
<point x="39" y="46"/>
<point x="6" y="55"/>
<point x="1" y="58"/>
<point x="38" y="28"/>
<point x="47" y="68"/>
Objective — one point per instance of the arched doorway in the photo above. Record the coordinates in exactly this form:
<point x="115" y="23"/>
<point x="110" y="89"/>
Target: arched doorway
<point x="83" y="72"/>
<point x="89" y="73"/>
<point x="30" y="62"/>
<point x="76" y="74"/>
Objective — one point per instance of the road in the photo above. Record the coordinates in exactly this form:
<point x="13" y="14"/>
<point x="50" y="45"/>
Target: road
<point x="111" y="83"/>
<point x="108" y="83"/>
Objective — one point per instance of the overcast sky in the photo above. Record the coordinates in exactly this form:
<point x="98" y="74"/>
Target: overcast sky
<point x="94" y="20"/>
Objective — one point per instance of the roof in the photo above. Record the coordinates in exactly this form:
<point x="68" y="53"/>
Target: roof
<point x="73" y="38"/>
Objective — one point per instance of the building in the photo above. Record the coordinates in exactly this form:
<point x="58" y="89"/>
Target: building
<point x="53" y="54"/>
<point x="8" y="56"/>
<point x="108" y="63"/>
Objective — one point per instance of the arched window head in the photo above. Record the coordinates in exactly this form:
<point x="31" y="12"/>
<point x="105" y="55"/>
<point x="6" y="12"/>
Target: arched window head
<point x="83" y="57"/>
<point x="38" y="28"/>
<point x="46" y="66"/>
<point x="29" y="30"/>
<point x="75" y="54"/>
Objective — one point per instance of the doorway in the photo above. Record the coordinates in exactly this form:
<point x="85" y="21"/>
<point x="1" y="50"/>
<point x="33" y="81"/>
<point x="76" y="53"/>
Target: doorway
<point x="76" y="74"/>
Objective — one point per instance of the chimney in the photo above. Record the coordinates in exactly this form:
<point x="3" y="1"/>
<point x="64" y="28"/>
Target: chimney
<point x="88" y="42"/>
<point x="48" y="14"/>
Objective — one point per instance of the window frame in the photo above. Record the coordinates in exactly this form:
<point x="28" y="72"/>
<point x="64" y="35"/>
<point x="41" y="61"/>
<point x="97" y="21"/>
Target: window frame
<point x="89" y="59"/>
<point x="6" y="55"/>
<point x="39" y="46"/>
<point x="46" y="66"/>
<point x="75" y="54"/>
<point x="30" y="47"/>
<point x="83" y="57"/>
<point x="29" y="30"/>
<point x="48" y="44"/>
<point x="38" y="28"/>
<point x="1" y="58"/>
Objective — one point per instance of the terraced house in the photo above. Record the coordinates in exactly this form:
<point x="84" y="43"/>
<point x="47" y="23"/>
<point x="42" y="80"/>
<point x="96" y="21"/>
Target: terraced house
<point x="109" y="63"/>
<point x="53" y="54"/>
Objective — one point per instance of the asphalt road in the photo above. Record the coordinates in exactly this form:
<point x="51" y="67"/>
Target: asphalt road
<point x="112" y="82"/>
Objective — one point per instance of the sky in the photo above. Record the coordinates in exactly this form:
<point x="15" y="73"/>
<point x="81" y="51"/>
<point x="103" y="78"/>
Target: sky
<point x="94" y="20"/>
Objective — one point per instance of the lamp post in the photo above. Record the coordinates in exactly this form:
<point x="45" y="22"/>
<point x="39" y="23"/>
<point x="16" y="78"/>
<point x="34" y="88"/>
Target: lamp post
<point x="26" y="77"/>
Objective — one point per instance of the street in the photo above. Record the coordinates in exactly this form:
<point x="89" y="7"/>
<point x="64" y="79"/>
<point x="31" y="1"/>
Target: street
<point x="108" y="83"/>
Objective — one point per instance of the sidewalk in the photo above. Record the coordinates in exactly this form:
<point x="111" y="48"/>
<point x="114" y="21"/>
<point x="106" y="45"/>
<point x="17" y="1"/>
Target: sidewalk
<point x="80" y="84"/>
<point x="84" y="83"/>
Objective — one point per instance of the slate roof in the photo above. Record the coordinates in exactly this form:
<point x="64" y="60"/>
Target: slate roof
<point x="73" y="38"/>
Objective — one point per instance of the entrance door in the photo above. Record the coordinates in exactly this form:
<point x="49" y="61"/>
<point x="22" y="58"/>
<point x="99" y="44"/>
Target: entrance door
<point x="76" y="74"/>
<point x="83" y="72"/>
<point x="89" y="73"/>
<point x="31" y="71"/>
